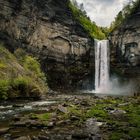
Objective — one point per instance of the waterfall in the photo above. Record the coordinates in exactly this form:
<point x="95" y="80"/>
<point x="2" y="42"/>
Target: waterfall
<point x="101" y="66"/>
<point x="105" y="84"/>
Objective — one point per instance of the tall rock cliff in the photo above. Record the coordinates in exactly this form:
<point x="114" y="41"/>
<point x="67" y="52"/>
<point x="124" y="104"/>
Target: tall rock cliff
<point x="48" y="30"/>
<point x="125" y="41"/>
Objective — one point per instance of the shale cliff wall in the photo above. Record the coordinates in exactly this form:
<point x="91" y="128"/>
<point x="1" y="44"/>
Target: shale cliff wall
<point x="125" y="51"/>
<point x="48" y="30"/>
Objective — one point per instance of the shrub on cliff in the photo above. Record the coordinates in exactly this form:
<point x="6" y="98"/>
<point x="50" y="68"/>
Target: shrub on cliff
<point x="31" y="64"/>
<point x="21" y="75"/>
<point x="4" y="88"/>
<point x="128" y="10"/>
<point x="24" y="87"/>
<point x="19" y="87"/>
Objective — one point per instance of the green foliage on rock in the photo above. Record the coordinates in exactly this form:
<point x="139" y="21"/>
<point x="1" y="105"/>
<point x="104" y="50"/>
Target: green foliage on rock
<point x="30" y="63"/>
<point x="19" y="86"/>
<point x="97" y="112"/>
<point x="2" y="65"/>
<point x="45" y="116"/>
<point x="116" y="136"/>
<point x="93" y="30"/>
<point x="129" y="10"/>
<point x="21" y="75"/>
<point x="4" y="88"/>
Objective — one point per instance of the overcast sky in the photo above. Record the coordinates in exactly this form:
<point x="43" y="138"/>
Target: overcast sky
<point x="103" y="11"/>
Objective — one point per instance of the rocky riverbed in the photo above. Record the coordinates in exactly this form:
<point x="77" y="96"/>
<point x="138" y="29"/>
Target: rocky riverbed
<point x="72" y="117"/>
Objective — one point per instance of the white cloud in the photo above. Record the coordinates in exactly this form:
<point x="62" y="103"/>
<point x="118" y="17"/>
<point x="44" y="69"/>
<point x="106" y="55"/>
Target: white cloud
<point x="103" y="12"/>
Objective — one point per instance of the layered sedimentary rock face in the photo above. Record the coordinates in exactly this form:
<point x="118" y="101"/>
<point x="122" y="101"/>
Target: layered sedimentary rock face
<point x="126" y="40"/>
<point x="125" y="53"/>
<point x="47" y="29"/>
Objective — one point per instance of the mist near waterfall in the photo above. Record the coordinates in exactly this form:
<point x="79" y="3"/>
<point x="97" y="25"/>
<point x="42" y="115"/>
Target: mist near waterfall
<point x="116" y="86"/>
<point x="104" y="83"/>
<point x="120" y="86"/>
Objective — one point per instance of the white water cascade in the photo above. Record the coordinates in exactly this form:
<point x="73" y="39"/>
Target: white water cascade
<point x="104" y="84"/>
<point x="102" y="66"/>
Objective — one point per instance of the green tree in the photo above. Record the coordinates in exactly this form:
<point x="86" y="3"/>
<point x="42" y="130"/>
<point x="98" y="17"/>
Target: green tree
<point x="80" y="15"/>
<point x="128" y="10"/>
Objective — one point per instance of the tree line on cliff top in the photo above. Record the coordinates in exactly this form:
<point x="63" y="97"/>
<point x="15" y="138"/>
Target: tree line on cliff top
<point x="81" y="16"/>
<point x="130" y="9"/>
<point x="102" y="32"/>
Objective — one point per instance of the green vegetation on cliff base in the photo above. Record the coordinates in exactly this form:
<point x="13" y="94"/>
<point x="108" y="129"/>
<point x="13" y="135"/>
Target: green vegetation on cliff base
<point x="21" y="75"/>
<point x="93" y="30"/>
<point x="129" y="10"/>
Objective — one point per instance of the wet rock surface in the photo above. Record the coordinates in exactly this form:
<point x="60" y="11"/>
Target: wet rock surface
<point x="96" y="118"/>
<point x="3" y="130"/>
<point x="23" y="138"/>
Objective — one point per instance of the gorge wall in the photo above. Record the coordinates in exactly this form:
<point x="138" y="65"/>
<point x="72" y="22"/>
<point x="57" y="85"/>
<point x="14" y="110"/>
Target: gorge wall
<point x="125" y="42"/>
<point x="48" y="30"/>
